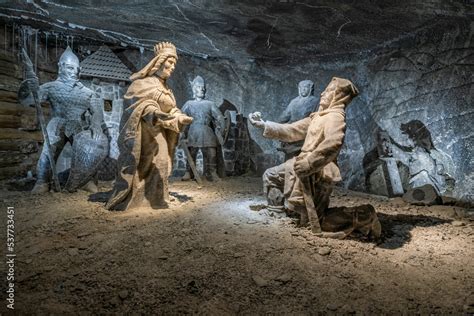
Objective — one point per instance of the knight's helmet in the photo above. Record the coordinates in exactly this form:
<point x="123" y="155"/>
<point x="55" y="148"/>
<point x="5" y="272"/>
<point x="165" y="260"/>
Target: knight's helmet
<point x="198" y="80"/>
<point x="68" y="57"/>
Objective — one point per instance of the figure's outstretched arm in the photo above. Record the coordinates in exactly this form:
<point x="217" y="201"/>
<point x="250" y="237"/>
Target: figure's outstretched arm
<point x="289" y="132"/>
<point x="174" y="120"/>
<point x="255" y="119"/>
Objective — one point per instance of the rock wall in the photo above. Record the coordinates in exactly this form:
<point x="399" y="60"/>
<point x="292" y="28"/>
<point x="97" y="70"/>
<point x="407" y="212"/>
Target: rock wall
<point x="20" y="138"/>
<point x="428" y="77"/>
<point x="424" y="75"/>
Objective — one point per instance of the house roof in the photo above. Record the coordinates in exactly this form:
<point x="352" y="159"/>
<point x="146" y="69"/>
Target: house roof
<point x="105" y="64"/>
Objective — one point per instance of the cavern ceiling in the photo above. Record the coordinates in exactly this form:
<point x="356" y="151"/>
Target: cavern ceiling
<point x="267" y="31"/>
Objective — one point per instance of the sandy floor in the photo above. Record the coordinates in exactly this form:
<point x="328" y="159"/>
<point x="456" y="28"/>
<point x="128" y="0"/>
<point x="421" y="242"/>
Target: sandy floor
<point x="210" y="253"/>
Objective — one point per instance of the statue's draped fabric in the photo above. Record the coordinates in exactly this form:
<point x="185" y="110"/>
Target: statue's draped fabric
<point x="323" y="134"/>
<point x="147" y="143"/>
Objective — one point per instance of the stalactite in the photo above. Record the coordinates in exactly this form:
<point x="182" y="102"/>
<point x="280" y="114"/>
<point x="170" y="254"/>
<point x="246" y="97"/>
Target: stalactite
<point x="13" y="39"/>
<point x="6" y="36"/>
<point x="72" y="42"/>
<point x="22" y="44"/>
<point x="29" y="41"/>
<point x="142" y="49"/>
<point x="46" y="45"/>
<point x="36" y="51"/>
<point x="56" y="35"/>
<point x="23" y="39"/>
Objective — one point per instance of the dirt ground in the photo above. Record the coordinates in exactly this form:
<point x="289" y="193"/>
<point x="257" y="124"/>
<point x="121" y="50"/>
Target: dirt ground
<point x="215" y="251"/>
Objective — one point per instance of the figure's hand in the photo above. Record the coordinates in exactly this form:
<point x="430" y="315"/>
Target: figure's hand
<point x="256" y="120"/>
<point x="185" y="120"/>
<point x="302" y="167"/>
<point x="163" y="116"/>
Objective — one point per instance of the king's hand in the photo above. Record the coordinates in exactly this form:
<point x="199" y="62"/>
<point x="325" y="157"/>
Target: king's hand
<point x="185" y="120"/>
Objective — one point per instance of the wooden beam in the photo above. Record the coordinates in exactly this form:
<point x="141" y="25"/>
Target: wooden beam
<point x="15" y="171"/>
<point x="17" y="145"/>
<point x="10" y="121"/>
<point x="11" y="133"/>
<point x="9" y="108"/>
<point x="17" y="158"/>
<point x="18" y="121"/>
<point x="8" y="96"/>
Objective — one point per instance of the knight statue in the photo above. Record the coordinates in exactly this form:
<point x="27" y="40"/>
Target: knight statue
<point x="206" y="130"/>
<point x="75" y="119"/>
<point x="299" y="108"/>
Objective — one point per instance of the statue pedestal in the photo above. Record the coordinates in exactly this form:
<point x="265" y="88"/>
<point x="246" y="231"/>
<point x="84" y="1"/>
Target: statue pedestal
<point x="392" y="177"/>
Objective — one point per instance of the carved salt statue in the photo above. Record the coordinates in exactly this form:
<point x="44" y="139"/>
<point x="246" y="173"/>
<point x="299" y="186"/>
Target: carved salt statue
<point x="72" y="112"/>
<point x="306" y="181"/>
<point x="203" y="132"/>
<point x="430" y="169"/>
<point x="149" y="137"/>
<point x="299" y="108"/>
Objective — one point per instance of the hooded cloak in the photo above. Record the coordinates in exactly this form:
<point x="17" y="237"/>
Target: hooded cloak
<point x="323" y="134"/>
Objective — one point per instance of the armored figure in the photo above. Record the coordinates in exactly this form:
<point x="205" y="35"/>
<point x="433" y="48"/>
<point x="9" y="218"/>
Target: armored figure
<point x="299" y="108"/>
<point x="205" y="130"/>
<point x="72" y="113"/>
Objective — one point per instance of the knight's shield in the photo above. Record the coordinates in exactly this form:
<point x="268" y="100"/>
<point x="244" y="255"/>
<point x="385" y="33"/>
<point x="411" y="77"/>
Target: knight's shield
<point x="89" y="150"/>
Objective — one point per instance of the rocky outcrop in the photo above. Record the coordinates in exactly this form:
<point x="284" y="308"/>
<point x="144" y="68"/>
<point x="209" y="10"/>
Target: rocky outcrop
<point x="427" y="77"/>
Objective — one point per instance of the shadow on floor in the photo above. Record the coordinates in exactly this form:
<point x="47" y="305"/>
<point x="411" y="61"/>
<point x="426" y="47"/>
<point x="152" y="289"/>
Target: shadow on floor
<point x="396" y="229"/>
<point x="181" y="197"/>
<point x="101" y="197"/>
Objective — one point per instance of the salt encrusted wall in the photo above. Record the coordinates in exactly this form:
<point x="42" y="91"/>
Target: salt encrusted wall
<point x="425" y="75"/>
